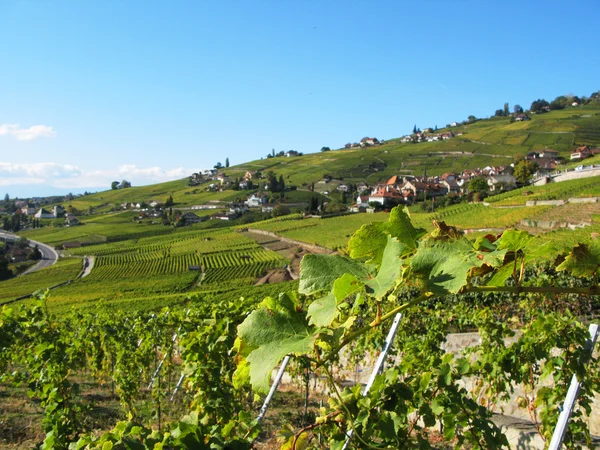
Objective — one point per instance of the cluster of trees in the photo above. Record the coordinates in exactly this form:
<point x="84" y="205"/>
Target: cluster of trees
<point x="280" y="154"/>
<point x="314" y="207"/>
<point x="116" y="185"/>
<point x="13" y="223"/>
<point x="7" y="252"/>
<point x="276" y="185"/>
<point x="219" y="166"/>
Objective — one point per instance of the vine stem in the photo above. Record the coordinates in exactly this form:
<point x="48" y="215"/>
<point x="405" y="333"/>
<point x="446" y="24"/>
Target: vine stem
<point x="313" y="426"/>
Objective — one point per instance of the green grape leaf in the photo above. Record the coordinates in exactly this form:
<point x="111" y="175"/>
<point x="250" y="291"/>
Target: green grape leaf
<point x="319" y="272"/>
<point x="535" y="253"/>
<point x="321" y="312"/>
<point x="369" y="242"/>
<point x="583" y="261"/>
<point x="390" y="270"/>
<point x="371" y="239"/>
<point x="345" y="286"/>
<point x="514" y="240"/>
<point x="275" y="330"/>
<point x="445" y="266"/>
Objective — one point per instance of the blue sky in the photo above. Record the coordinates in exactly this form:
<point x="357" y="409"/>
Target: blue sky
<point x="94" y="91"/>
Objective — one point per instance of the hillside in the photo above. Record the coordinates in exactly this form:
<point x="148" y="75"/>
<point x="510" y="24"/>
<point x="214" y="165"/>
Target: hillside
<point x="493" y="141"/>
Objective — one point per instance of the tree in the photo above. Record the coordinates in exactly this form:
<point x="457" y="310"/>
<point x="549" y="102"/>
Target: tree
<point x="169" y="202"/>
<point x="6" y="199"/>
<point x="478" y="185"/>
<point x="125" y="184"/>
<point x="280" y="210"/>
<point x="499" y="113"/>
<point x="35" y="254"/>
<point x="524" y="170"/>
<point x="506" y="109"/>
<point x="218" y="165"/>
<point x="415" y="129"/>
<point x="559" y="102"/>
<point x="281" y="184"/>
<point x="517" y="109"/>
<point x="114" y="185"/>
<point x="325" y="149"/>
<point x="227" y="162"/>
<point x="273" y="182"/>
<point x="471" y="119"/>
<point x="539" y="105"/>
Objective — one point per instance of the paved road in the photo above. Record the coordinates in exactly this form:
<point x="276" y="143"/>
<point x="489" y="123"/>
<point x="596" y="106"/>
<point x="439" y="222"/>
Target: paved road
<point x="49" y="255"/>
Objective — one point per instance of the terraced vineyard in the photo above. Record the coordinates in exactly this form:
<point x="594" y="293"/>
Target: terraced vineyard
<point x="583" y="187"/>
<point x="481" y="216"/>
<point x="63" y="270"/>
<point x="221" y="255"/>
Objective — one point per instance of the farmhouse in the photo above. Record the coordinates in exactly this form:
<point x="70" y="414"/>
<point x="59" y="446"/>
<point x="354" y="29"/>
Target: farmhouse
<point x="71" y="220"/>
<point x="580" y="153"/>
<point x="189" y="218"/>
<point x="387" y="196"/>
<point x="501" y="182"/>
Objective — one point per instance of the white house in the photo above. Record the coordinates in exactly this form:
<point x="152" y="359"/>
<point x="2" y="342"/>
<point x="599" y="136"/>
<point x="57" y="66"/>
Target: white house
<point x="255" y="201"/>
<point x="501" y="182"/>
<point x="44" y="214"/>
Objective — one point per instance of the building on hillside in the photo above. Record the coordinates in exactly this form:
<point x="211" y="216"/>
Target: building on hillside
<point x="44" y="214"/>
<point x="450" y="185"/>
<point x="580" y="153"/>
<point x="59" y="211"/>
<point x="29" y="209"/>
<point x="189" y="218"/>
<point x="387" y="196"/>
<point x="547" y="153"/>
<point x="71" y="220"/>
<point x="501" y="183"/>
<point x="256" y="201"/>
<point x="368" y="141"/>
<point x="521" y="117"/>
<point x="250" y="174"/>
<point x="238" y="208"/>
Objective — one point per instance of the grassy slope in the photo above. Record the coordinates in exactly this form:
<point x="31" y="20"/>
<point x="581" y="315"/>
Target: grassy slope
<point x="493" y="141"/>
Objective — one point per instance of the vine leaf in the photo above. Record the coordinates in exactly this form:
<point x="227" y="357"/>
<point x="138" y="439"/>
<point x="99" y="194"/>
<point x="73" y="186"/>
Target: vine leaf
<point x="534" y="253"/>
<point x="445" y="267"/>
<point x="318" y="272"/>
<point x="322" y="312"/>
<point x="583" y="261"/>
<point x="391" y="267"/>
<point x="345" y="286"/>
<point x="514" y="240"/>
<point x="370" y="240"/>
<point x="274" y="330"/>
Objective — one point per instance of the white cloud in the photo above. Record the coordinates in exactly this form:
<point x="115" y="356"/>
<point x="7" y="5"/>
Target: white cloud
<point x="68" y="176"/>
<point x="26" y="134"/>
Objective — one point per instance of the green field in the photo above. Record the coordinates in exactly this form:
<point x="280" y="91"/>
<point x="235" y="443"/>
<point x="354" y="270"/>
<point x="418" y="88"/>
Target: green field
<point x="142" y="264"/>
<point x="584" y="187"/>
<point x="64" y="270"/>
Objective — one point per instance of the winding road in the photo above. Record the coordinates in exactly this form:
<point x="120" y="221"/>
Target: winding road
<point x="49" y="255"/>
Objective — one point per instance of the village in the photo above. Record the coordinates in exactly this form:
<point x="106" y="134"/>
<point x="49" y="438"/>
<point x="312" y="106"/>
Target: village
<point x="264" y="194"/>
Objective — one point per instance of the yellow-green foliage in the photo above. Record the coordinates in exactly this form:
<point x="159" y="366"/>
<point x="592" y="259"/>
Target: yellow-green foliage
<point x="64" y="270"/>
